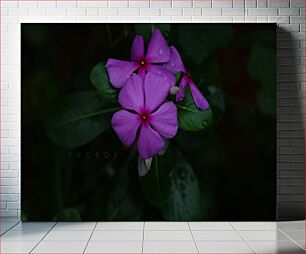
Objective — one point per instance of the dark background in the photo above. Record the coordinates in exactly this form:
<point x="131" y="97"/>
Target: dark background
<point x="234" y="160"/>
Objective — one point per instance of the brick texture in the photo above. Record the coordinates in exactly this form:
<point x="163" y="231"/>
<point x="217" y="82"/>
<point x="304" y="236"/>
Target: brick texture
<point x="288" y="14"/>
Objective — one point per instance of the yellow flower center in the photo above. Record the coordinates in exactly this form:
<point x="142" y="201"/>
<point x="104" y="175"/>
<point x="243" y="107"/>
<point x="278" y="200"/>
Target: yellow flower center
<point x="144" y="117"/>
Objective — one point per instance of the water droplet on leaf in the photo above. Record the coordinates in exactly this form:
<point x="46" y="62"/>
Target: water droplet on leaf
<point x="182" y="186"/>
<point x="181" y="173"/>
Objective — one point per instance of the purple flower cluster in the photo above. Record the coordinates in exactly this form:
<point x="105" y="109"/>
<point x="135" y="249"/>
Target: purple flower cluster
<point x="158" y="53"/>
<point x="145" y="82"/>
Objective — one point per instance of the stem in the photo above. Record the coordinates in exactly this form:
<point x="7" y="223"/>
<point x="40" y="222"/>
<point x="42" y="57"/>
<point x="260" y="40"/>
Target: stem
<point x="113" y="215"/>
<point x="119" y="38"/>
<point x="122" y="36"/>
<point x="116" y="211"/>
<point x="90" y="115"/>
<point x="109" y="33"/>
<point x="157" y="177"/>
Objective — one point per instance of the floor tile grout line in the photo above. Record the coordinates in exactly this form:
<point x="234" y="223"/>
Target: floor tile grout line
<point x="10" y="228"/>
<point x="90" y="236"/>
<point x="291" y="230"/>
<point x="170" y="240"/>
<point x="137" y="230"/>
<point x="155" y="230"/>
<point x="42" y="238"/>
<point x="274" y="226"/>
<point x="290" y="238"/>
<point x="125" y="230"/>
<point x="244" y="240"/>
<point x="193" y="237"/>
<point x="143" y="232"/>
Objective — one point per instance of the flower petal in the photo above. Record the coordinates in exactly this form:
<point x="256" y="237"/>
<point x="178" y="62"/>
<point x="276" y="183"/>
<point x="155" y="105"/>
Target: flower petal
<point x="164" y="72"/>
<point x="164" y="120"/>
<point x="181" y="93"/>
<point x="137" y="52"/>
<point x="142" y="72"/>
<point x="158" y="50"/>
<point x="119" y="71"/>
<point x="144" y="165"/>
<point x="149" y="142"/>
<point x="175" y="63"/>
<point x="156" y="90"/>
<point x="126" y="125"/>
<point x="198" y="98"/>
<point x="131" y="95"/>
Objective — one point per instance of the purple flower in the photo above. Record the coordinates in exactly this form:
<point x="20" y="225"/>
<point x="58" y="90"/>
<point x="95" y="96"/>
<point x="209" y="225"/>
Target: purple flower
<point x="175" y="64"/>
<point x="158" y="52"/>
<point x="145" y="109"/>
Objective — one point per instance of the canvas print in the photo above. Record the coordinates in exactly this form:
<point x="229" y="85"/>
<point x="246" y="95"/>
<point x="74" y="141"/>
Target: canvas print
<point x="155" y="122"/>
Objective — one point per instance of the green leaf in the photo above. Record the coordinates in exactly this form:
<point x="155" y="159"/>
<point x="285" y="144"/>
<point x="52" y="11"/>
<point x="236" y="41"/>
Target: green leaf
<point x="146" y="29"/>
<point x="189" y="117"/>
<point x="68" y="214"/>
<point x="216" y="100"/>
<point x="124" y="200"/>
<point x="198" y="41"/>
<point x="156" y="183"/>
<point x="178" y="76"/>
<point x="81" y="118"/>
<point x="100" y="80"/>
<point x="262" y="65"/>
<point x="184" y="200"/>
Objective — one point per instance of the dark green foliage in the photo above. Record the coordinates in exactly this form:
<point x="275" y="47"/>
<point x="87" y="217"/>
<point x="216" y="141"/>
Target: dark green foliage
<point x="99" y="79"/>
<point x="184" y="200"/>
<point x="146" y="29"/>
<point x="156" y="183"/>
<point x="68" y="214"/>
<point x="82" y="117"/>
<point x="216" y="101"/>
<point x="190" y="118"/>
<point x="124" y="201"/>
<point x="262" y="70"/>
<point x="198" y="42"/>
<point x="205" y="172"/>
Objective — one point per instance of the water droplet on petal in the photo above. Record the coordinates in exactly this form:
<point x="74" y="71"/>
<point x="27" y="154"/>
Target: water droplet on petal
<point x="172" y="64"/>
<point x="174" y="90"/>
<point x="160" y="51"/>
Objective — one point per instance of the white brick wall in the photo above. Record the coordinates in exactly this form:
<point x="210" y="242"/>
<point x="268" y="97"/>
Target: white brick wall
<point x="289" y="14"/>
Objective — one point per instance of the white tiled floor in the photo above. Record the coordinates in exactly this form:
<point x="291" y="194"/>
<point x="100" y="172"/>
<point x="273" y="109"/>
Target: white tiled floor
<point x="131" y="236"/>
<point x="220" y="236"/>
<point x="152" y="237"/>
